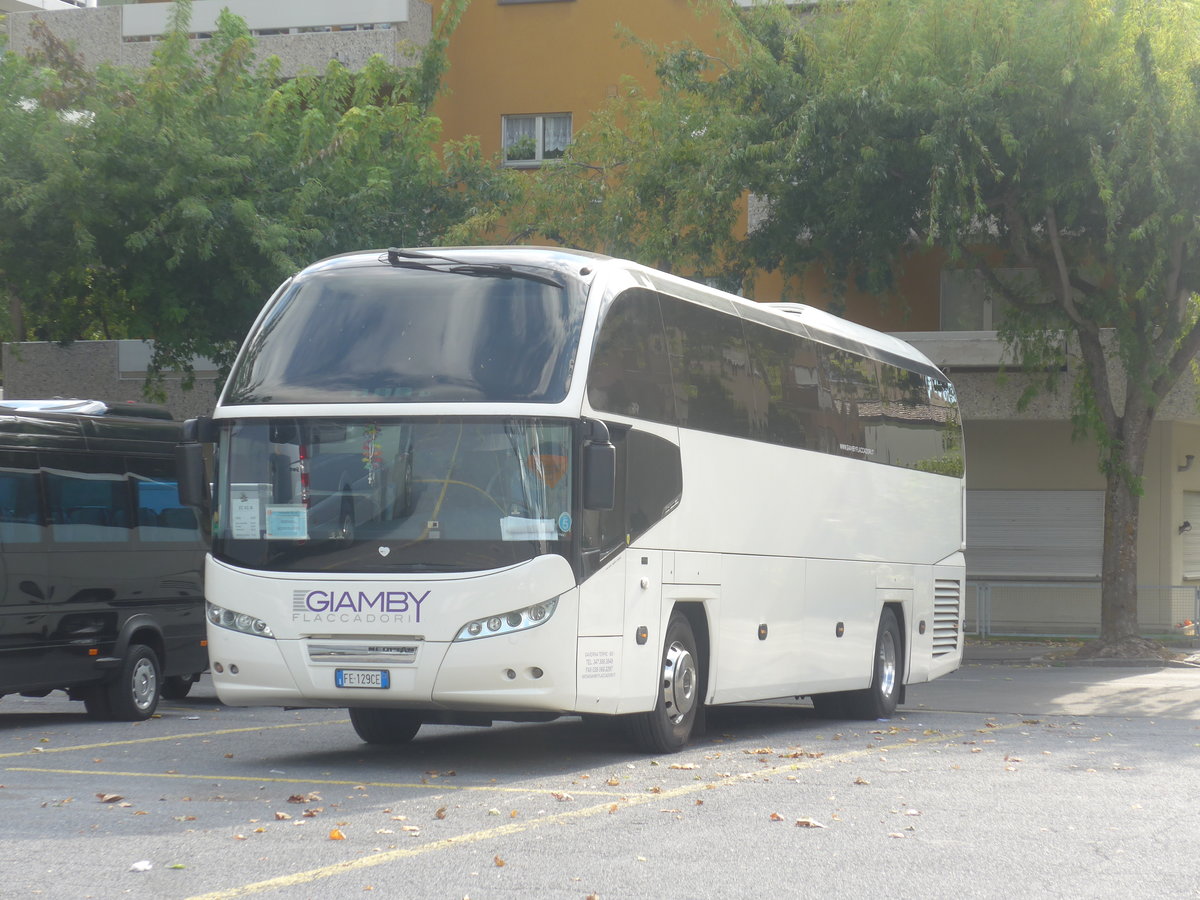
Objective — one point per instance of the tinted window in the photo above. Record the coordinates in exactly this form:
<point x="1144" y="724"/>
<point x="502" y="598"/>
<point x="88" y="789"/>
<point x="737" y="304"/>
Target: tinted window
<point x="906" y="433"/>
<point x="854" y="387"/>
<point x="87" y="498"/>
<point x="710" y="368"/>
<point x="649" y="485"/>
<point x="20" y="514"/>
<point x="798" y="403"/>
<point x="401" y="335"/>
<point x="629" y="374"/>
<point x="158" y="514"/>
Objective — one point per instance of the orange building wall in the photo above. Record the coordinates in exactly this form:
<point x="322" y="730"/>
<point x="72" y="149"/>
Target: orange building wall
<point x="566" y="56"/>
<point x="552" y="57"/>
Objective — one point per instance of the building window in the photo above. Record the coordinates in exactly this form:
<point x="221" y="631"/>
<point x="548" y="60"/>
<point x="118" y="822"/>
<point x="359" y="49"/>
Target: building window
<point x="532" y="140"/>
<point x="971" y="303"/>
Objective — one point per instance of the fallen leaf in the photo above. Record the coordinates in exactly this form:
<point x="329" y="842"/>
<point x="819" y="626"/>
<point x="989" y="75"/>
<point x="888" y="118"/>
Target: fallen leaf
<point x="498" y="861"/>
<point x="808" y="823"/>
<point x="441" y="813"/>
<point x="614" y="781"/>
<point x="680" y="766"/>
<point x="109" y="798"/>
<point x="776" y="817"/>
<point x="336" y="835"/>
<point x="309" y="813"/>
<point x="560" y="797"/>
<point x="282" y="817"/>
<point x="861" y="780"/>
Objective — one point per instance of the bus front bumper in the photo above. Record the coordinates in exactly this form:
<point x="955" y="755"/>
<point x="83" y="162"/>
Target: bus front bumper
<point x="526" y="671"/>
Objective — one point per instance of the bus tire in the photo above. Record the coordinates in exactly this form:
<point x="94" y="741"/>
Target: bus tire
<point x="679" y="705"/>
<point x="176" y="687"/>
<point x="132" y="696"/>
<point x="385" y="726"/>
<point x="880" y="699"/>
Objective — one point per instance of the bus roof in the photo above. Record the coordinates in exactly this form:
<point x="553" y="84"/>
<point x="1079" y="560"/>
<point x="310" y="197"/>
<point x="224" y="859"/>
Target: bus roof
<point x="817" y="323"/>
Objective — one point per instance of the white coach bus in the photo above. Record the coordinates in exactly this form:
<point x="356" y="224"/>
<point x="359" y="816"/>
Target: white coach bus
<point x="477" y="484"/>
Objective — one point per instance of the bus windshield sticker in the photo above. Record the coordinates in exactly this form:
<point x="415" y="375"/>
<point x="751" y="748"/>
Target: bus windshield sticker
<point x="287" y="523"/>
<point x="564" y="523"/>
<point x="516" y="528"/>
<point x="246" y="517"/>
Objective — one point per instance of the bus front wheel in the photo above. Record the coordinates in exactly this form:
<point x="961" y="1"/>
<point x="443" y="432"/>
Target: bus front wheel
<point x="385" y="726"/>
<point x="679" y="703"/>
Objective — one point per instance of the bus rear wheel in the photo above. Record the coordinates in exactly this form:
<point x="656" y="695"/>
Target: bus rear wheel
<point x="679" y="706"/>
<point x="385" y="726"/>
<point x="880" y="699"/>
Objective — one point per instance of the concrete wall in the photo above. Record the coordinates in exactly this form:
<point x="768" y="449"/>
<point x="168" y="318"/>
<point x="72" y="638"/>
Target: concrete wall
<point x="99" y="370"/>
<point x="101" y="35"/>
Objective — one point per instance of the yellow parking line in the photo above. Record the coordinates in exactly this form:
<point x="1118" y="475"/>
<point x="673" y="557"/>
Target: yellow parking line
<point x="333" y="782"/>
<point x="625" y="802"/>
<point x="169" y="737"/>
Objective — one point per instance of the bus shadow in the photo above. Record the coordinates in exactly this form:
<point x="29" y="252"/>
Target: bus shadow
<point x="564" y="746"/>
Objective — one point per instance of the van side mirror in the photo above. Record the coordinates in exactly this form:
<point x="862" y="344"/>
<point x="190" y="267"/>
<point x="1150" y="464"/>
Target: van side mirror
<point x="599" y="467"/>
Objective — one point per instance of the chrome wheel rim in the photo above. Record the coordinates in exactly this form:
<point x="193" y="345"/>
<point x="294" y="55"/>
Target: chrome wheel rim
<point x="680" y="682"/>
<point x="887" y="664"/>
<point x="144" y="684"/>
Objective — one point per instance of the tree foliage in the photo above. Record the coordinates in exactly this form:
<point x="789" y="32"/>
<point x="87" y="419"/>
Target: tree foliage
<point x="167" y="202"/>
<point x="1059" y="137"/>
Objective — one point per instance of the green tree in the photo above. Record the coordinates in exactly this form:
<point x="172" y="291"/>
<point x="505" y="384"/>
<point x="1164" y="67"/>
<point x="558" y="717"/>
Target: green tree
<point x="167" y="202"/>
<point x="1057" y="137"/>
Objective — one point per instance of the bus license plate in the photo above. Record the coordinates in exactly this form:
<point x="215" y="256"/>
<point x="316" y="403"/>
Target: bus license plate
<point x="362" y="678"/>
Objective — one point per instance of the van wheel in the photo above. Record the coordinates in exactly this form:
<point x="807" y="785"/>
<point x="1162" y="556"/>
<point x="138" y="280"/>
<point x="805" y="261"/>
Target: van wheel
<point x="679" y="707"/>
<point x="385" y="726"/>
<point x="176" y="687"/>
<point x="132" y="696"/>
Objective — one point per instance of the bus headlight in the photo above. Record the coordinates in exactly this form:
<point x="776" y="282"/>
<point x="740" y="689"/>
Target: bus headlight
<point x="507" y="623"/>
<point x="235" y="621"/>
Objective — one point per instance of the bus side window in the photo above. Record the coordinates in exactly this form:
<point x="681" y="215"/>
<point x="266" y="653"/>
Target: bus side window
<point x="604" y="530"/>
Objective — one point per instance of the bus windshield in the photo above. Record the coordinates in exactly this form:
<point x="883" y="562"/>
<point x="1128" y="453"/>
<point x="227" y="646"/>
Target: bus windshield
<point x="399" y="335"/>
<point x="389" y="495"/>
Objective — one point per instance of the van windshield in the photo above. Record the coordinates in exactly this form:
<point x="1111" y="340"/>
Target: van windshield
<point x="399" y="335"/>
<point x="388" y="495"/>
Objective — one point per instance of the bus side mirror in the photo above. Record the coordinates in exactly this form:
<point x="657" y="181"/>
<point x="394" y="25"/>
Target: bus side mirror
<point x="189" y="462"/>
<point x="599" y="468"/>
<point x="193" y="484"/>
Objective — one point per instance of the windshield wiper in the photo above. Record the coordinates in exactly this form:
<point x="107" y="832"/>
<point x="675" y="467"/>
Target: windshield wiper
<point x="415" y="259"/>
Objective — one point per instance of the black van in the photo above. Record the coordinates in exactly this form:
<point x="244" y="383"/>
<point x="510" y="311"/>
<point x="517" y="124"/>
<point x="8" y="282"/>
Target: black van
<point x="101" y="566"/>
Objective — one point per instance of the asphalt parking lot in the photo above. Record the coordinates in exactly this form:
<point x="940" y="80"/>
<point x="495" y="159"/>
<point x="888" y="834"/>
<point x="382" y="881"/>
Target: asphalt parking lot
<point x="1049" y="781"/>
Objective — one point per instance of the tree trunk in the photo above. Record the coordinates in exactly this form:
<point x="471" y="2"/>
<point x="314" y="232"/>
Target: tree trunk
<point x="1119" y="632"/>
<point x="1118" y="584"/>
